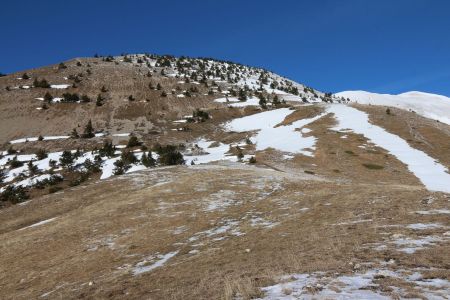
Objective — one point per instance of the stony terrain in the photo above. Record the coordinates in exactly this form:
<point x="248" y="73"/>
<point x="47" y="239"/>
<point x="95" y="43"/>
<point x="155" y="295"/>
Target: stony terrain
<point x="285" y="192"/>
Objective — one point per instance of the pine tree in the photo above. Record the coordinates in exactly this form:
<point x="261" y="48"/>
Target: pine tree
<point x="41" y="83"/>
<point x="133" y="142"/>
<point x="158" y="87"/>
<point x="41" y="154"/>
<point x="66" y="159"/>
<point x="242" y="95"/>
<point x="85" y="99"/>
<point x="262" y="101"/>
<point x="32" y="169"/>
<point x="128" y="157"/>
<point x="275" y="100"/>
<point x="147" y="160"/>
<point x="108" y="149"/>
<point x="120" y="167"/>
<point x="104" y="90"/>
<point x="25" y="76"/>
<point x="74" y="134"/>
<point x="2" y="175"/>
<point x="48" y="97"/>
<point x="240" y="155"/>
<point x="88" y="131"/>
<point x="163" y="94"/>
<point x="99" y="101"/>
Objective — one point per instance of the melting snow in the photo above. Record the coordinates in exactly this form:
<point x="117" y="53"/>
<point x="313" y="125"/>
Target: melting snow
<point x="141" y="267"/>
<point x="356" y="286"/>
<point x="60" y="86"/>
<point x="421" y="226"/>
<point x="432" y="174"/>
<point x="284" y="137"/>
<point x="235" y="102"/>
<point x="39" y="223"/>
<point x="433" y="212"/>
<point x="34" y="139"/>
<point x="428" y="105"/>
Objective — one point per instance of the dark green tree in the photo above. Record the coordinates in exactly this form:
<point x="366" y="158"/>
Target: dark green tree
<point x="88" y="131"/>
<point x="66" y="160"/>
<point x="48" y="97"/>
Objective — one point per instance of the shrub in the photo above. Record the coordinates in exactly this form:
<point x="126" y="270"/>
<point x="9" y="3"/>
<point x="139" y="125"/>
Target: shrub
<point x="14" y="163"/>
<point x="99" y="101"/>
<point x="25" y="76"/>
<point x="200" y="115"/>
<point x="52" y="163"/>
<point x="41" y="154"/>
<point x="373" y="166"/>
<point x="68" y="97"/>
<point x="131" y="98"/>
<point x="188" y="94"/>
<point x="54" y="189"/>
<point x="33" y="169"/>
<point x="169" y="155"/>
<point x="133" y="142"/>
<point x="62" y="66"/>
<point x="388" y="111"/>
<point x="14" y="194"/>
<point x="85" y="99"/>
<point x="103" y="90"/>
<point x="40" y="138"/>
<point x="81" y="177"/>
<point x="252" y="160"/>
<point x="41" y="83"/>
<point x="11" y="150"/>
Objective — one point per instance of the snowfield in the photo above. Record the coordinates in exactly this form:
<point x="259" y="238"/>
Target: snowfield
<point x="431" y="173"/>
<point x="284" y="138"/>
<point x="235" y="102"/>
<point x="431" y="106"/>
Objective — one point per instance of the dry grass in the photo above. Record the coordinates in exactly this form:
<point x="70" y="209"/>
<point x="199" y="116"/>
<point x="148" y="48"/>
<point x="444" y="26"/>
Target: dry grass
<point x="129" y="218"/>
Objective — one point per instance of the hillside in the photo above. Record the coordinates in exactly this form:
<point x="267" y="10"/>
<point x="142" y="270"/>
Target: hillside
<point x="193" y="178"/>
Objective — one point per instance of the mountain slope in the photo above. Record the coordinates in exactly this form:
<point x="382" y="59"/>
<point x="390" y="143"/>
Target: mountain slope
<point x="431" y="106"/>
<point x="139" y="91"/>
<point x="204" y="179"/>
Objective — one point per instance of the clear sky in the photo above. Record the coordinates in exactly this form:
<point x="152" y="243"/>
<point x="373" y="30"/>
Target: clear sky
<point x="387" y="46"/>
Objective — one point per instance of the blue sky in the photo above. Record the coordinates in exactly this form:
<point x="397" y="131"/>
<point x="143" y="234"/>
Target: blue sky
<point x="379" y="46"/>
